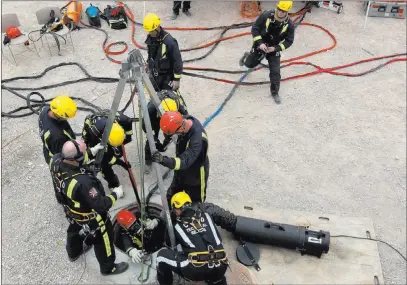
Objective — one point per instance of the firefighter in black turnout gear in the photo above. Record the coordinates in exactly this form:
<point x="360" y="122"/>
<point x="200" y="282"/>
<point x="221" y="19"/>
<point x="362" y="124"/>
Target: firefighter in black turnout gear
<point x="54" y="128"/>
<point x="86" y="207"/>
<point x="191" y="164"/>
<point x="164" y="57"/>
<point x="131" y="238"/>
<point x="273" y="32"/>
<point x="203" y="257"/>
<point x="120" y="134"/>
<point x="170" y="101"/>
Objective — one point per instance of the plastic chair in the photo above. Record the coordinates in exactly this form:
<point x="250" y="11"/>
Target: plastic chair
<point x="43" y="16"/>
<point x="11" y="20"/>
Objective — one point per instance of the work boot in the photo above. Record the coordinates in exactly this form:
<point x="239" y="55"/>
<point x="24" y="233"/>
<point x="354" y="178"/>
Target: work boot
<point x="187" y="13"/>
<point x="276" y="97"/>
<point x="174" y="16"/>
<point x="117" y="269"/>
<point x="85" y="249"/>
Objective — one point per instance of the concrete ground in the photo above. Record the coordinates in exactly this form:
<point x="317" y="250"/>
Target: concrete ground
<point x="336" y="145"/>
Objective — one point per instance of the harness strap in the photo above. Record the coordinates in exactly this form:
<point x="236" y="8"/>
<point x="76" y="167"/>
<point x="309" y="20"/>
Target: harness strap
<point x="205" y="257"/>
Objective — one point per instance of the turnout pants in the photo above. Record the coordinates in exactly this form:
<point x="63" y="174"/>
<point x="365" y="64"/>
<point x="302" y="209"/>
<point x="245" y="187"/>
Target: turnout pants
<point x="186" y="5"/>
<point x="102" y="242"/>
<point x="109" y="175"/>
<point x="168" y="261"/>
<point x="275" y="76"/>
<point x="196" y="191"/>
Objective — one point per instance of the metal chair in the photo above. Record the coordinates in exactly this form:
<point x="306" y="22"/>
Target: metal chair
<point x="43" y="16"/>
<point x="11" y="20"/>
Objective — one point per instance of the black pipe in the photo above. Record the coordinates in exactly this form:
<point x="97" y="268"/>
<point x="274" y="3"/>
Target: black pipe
<point x="288" y="236"/>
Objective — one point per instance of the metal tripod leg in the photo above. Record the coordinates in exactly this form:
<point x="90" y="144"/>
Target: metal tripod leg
<point x="156" y="166"/>
<point x="131" y="69"/>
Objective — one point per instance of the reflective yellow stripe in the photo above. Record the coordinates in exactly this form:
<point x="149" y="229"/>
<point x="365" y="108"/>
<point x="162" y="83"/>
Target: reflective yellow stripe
<point x="68" y="135"/>
<point x="137" y="241"/>
<point x="46" y="136"/>
<point x="284" y="28"/>
<point x="177" y="163"/>
<point x="50" y="162"/>
<point x="87" y="122"/>
<point x="256" y="38"/>
<point x="163" y="51"/>
<point x="107" y="244"/>
<point x="282" y="47"/>
<point x="177" y="76"/>
<point x="113" y="199"/>
<point x="98" y="218"/>
<point x="113" y="160"/>
<point x="204" y="136"/>
<point x="129" y="132"/>
<point x="86" y="160"/>
<point x="70" y="188"/>
<point x="202" y="184"/>
<point x="103" y="229"/>
<point x="267" y="23"/>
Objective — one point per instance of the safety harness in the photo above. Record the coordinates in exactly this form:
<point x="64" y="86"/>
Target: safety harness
<point x="211" y="257"/>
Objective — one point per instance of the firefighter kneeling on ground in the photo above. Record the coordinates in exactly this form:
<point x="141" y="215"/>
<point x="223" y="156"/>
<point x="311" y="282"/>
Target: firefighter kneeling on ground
<point x="273" y="32"/>
<point x="170" y="101"/>
<point x="133" y="239"/>
<point x="86" y="207"/>
<point x="203" y="257"/>
<point x="164" y="57"/>
<point x="120" y="134"/>
<point x="191" y="164"/>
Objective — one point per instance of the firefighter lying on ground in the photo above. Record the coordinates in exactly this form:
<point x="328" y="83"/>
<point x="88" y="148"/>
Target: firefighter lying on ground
<point x="54" y="128"/>
<point x="86" y="207"/>
<point x="164" y="57"/>
<point x="131" y="235"/>
<point x="170" y="101"/>
<point x="121" y="134"/>
<point x="191" y="164"/>
<point x="202" y="257"/>
<point x="273" y="32"/>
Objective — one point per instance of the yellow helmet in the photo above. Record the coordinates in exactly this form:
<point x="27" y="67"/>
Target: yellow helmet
<point x="116" y="136"/>
<point x="63" y="106"/>
<point x="169" y="104"/>
<point x="151" y="22"/>
<point x="285" y="5"/>
<point x="179" y="199"/>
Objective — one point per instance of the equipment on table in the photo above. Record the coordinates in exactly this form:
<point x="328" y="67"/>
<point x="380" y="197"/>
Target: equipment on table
<point x="388" y="9"/>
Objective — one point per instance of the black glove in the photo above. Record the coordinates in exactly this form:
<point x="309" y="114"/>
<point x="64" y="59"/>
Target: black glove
<point x="157" y="157"/>
<point x="123" y="164"/>
<point x="159" y="146"/>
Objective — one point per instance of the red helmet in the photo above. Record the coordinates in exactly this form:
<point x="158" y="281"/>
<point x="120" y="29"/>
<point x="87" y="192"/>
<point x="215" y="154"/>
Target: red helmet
<point x="126" y="219"/>
<point x="13" y="32"/>
<point x="170" y="122"/>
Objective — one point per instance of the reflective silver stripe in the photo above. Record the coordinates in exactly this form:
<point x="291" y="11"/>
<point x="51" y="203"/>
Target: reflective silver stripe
<point x="215" y="235"/>
<point x="170" y="262"/>
<point x="184" y="236"/>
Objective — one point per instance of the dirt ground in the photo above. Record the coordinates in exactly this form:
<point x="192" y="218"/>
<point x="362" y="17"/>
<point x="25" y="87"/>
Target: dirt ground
<point x="336" y="145"/>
